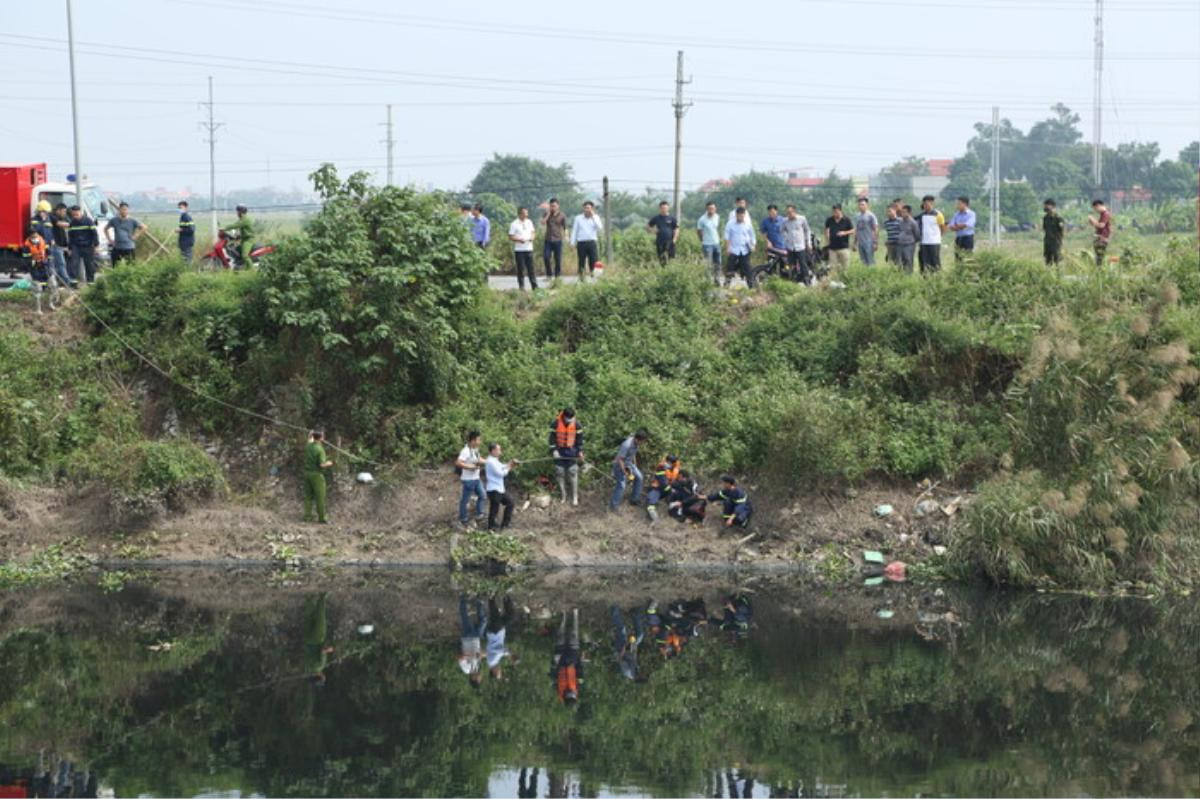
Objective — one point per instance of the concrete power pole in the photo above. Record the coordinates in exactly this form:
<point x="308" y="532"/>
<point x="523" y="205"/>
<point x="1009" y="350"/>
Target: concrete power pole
<point x="391" y="145"/>
<point x="994" y="223"/>
<point x="75" y="112"/>
<point x="608" y="254"/>
<point x="211" y="127"/>
<point x="1097" y="105"/>
<point x="680" y="107"/>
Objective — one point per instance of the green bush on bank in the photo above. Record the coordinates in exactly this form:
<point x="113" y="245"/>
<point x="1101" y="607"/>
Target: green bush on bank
<point x="1049" y="390"/>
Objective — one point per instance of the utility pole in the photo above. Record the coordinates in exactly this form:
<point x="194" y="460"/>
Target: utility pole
<point x="390" y="141"/>
<point x="680" y="107"/>
<point x="75" y="110"/>
<point x="607" y="226"/>
<point x="1097" y="106"/>
<point x="994" y="222"/>
<point x="211" y="127"/>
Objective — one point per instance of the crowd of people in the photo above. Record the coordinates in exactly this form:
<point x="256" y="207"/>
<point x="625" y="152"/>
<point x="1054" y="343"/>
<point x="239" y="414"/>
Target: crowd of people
<point x="664" y="631"/>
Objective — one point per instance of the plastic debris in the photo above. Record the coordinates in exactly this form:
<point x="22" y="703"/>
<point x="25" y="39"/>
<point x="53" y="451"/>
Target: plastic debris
<point x="884" y="613"/>
<point x="366" y="478"/>
<point x="939" y="550"/>
<point x="366" y="629"/>
<point x="926" y="507"/>
<point x="542" y="501"/>
<point x="873" y="581"/>
<point x="884" y="510"/>
<point x="896" y="571"/>
<point x="951" y="507"/>
<point x="873" y="556"/>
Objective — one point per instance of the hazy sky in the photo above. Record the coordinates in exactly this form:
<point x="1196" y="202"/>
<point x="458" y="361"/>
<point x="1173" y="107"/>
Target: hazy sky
<point x="851" y="85"/>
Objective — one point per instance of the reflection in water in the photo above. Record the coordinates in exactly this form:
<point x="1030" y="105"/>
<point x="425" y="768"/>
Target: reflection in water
<point x="189" y="685"/>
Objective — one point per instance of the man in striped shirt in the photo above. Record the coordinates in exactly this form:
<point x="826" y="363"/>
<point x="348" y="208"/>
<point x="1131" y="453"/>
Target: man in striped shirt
<point x="891" y="226"/>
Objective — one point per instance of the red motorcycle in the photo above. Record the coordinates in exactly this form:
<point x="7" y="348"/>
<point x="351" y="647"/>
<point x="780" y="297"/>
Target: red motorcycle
<point x="224" y="253"/>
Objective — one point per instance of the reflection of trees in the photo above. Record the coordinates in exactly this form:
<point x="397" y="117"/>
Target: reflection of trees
<point x="1040" y="695"/>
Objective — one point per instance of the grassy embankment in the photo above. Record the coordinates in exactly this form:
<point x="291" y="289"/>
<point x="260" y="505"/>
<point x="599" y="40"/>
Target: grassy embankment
<point x="1068" y="398"/>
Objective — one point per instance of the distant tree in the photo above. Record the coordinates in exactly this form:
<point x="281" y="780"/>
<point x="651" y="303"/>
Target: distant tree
<point x="1172" y="180"/>
<point x="1018" y="202"/>
<point x="499" y="211"/>
<point x="1131" y="164"/>
<point x="1060" y="178"/>
<point x="1013" y="159"/>
<point x="896" y="180"/>
<point x="966" y="177"/>
<point x="834" y="189"/>
<point x="1190" y="155"/>
<point x="520" y="180"/>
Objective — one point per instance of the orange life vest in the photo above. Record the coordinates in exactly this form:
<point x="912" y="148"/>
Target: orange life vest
<point x="567" y="681"/>
<point x="37" y="248"/>
<point x="565" y="433"/>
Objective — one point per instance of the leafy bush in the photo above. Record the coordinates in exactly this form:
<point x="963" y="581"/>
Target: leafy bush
<point x="149" y="477"/>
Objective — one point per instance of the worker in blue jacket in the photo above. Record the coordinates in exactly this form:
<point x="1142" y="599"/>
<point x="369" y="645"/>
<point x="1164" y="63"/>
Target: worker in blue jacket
<point x="83" y="244"/>
<point x="735" y="503"/>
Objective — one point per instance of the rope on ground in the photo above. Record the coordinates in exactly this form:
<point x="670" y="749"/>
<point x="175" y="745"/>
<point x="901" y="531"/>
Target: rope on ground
<point x="224" y="403"/>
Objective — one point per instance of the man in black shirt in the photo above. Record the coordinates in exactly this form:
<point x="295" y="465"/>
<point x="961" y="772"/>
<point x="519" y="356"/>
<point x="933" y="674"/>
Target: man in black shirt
<point x="838" y="229"/>
<point x="666" y="232"/>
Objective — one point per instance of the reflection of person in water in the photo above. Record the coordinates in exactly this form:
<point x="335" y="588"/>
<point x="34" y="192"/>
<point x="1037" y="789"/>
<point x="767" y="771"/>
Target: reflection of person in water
<point x="316" y="653"/>
<point x="527" y="790"/>
<point x="747" y="783"/>
<point x="472" y="634"/>
<point x="626" y="641"/>
<point x="497" y="631"/>
<point x="566" y="665"/>
<point x="736" y="616"/>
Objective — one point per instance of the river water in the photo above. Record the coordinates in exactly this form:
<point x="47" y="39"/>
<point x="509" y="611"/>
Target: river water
<point x="342" y="683"/>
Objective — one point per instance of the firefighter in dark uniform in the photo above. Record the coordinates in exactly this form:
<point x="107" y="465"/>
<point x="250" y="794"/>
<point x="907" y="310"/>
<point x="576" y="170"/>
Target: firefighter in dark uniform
<point x="735" y="503"/>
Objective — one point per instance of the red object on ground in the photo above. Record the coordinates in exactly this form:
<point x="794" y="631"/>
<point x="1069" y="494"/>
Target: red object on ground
<point x="16" y="201"/>
<point x="896" y="571"/>
<point x="13" y="792"/>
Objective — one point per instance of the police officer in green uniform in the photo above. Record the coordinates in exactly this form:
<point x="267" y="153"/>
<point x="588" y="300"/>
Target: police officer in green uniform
<point x="244" y="227"/>
<point x="315" y="463"/>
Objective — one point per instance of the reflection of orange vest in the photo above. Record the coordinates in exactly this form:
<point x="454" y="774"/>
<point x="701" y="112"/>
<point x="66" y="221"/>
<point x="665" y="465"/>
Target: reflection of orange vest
<point x="564" y="433"/>
<point x="567" y="681"/>
<point x="674" y="641"/>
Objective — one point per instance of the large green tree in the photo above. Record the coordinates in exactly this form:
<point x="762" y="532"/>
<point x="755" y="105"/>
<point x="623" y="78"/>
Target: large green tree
<point x="1060" y="178"/>
<point x="520" y="180"/>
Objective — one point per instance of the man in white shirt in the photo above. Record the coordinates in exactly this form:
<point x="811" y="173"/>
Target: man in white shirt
<point x="739" y="203"/>
<point x="521" y="234"/>
<point x="468" y="464"/>
<point x="932" y="225"/>
<point x="584" y="235"/>
<point x="796" y="235"/>
<point x="496" y="471"/>
<point x="496" y="648"/>
<point x="739" y="243"/>
<point x="708" y="229"/>
<point x="470" y="651"/>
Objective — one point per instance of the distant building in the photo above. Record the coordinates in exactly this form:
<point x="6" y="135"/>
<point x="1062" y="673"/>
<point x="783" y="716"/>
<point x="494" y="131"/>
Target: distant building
<point x="935" y="178"/>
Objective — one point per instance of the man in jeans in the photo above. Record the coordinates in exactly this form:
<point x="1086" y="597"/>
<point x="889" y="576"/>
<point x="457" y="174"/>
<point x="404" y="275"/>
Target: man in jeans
<point x="739" y="244"/>
<point x="555" y="223"/>
<point x="520" y="233"/>
<point x="666" y="232"/>
<point x="84" y="242"/>
<point x="123" y="233"/>
<point x="796" y="235"/>
<point x="468" y="464"/>
<point x="585" y="235"/>
<point x="891" y="227"/>
<point x="963" y="225"/>
<point x="907" y="237"/>
<point x="708" y="229"/>
<point x="60" y="223"/>
<point x="624" y="467"/>
<point x="470" y="649"/>
<point x="866" y="232"/>
<point x="496" y="470"/>
<point x="1102" y="225"/>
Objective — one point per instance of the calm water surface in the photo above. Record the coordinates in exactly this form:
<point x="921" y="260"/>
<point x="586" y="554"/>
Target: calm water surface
<point x="349" y="684"/>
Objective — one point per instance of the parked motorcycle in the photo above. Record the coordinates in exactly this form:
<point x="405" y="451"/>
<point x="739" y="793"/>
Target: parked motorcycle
<point x="224" y="253"/>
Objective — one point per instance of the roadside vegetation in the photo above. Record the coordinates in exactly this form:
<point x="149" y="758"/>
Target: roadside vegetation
<point x="1068" y="398"/>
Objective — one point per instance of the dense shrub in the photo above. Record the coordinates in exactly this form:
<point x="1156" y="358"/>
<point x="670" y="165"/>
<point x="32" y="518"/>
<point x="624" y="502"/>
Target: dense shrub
<point x="145" y="478"/>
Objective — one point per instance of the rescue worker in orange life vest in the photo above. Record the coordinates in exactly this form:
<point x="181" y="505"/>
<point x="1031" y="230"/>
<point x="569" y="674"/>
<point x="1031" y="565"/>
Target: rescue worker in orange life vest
<point x="666" y="473"/>
<point x="735" y="503"/>
<point x="566" y="446"/>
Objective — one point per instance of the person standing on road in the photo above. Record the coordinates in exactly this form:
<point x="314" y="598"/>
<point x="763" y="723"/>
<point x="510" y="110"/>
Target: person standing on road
<point x="566" y="447"/>
<point x="838" y="230"/>
<point x="625" y="467"/>
<point x="521" y="234"/>
<point x="666" y="232"/>
<point x="496" y="471"/>
<point x="60" y="244"/>
<point x="555" y="223"/>
<point x="467" y="464"/>
<point x="708" y="229"/>
<point x="866" y="232"/>
<point x="891" y="227"/>
<point x="315" y="464"/>
<point x="187" y="232"/>
<point x="123" y="233"/>
<point x="84" y="243"/>
<point x="907" y="236"/>
<point x="585" y="235"/>
<point x="481" y="228"/>
<point x="772" y="230"/>
<point x="796" y="235"/>
<point x="739" y="244"/>
<point x="963" y="225"/>
<point x="1102" y="225"/>
<point x="1052" y="232"/>
<point x="932" y="225"/>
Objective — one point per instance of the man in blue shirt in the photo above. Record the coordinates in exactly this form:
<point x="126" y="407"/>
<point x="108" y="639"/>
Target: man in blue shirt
<point x="963" y="225"/>
<point x="739" y="243"/>
<point x="481" y="228"/>
<point x="772" y="229"/>
<point x="187" y="232"/>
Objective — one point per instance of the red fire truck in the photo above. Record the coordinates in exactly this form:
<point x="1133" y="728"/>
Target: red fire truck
<point x="21" y="187"/>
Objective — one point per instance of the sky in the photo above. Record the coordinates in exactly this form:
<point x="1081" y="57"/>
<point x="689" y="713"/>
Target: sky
<point x="853" y="85"/>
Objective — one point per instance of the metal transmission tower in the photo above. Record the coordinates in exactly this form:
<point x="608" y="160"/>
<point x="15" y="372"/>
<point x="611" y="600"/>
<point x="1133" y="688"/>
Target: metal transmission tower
<point x="1097" y="110"/>
<point x="680" y="107"/>
<point x="211" y="128"/>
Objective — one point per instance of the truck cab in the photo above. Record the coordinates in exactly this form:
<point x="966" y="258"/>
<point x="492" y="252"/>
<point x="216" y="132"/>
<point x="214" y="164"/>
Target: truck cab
<point x="22" y="186"/>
